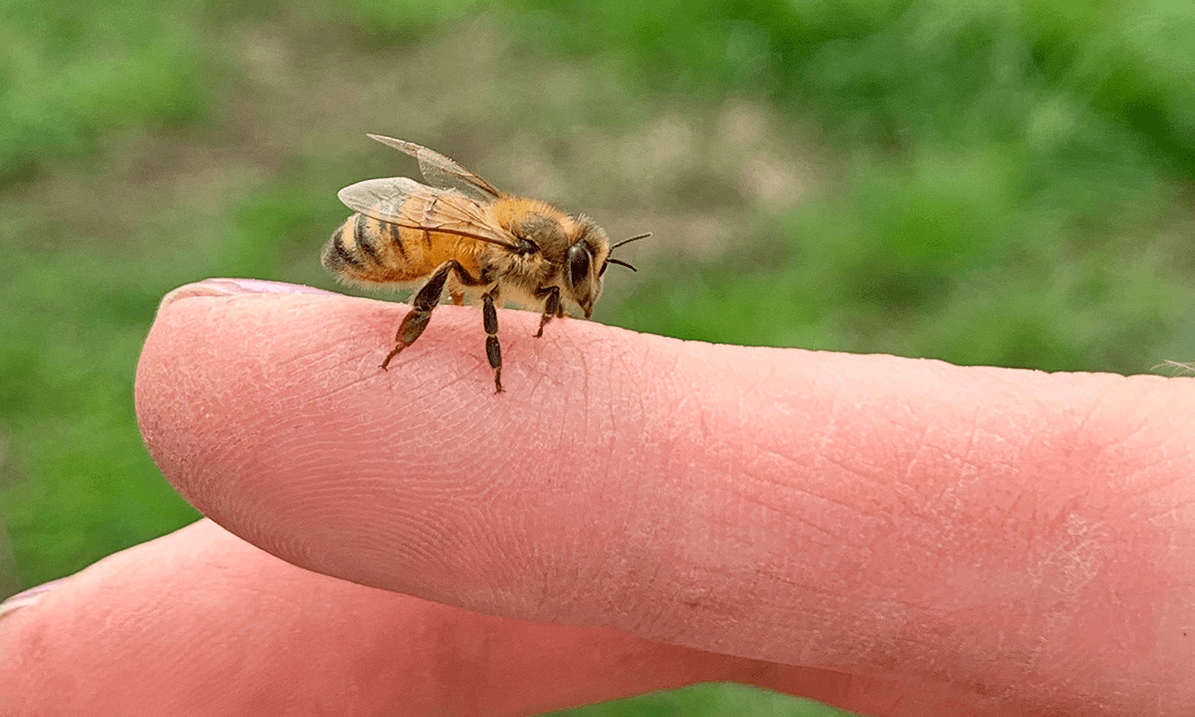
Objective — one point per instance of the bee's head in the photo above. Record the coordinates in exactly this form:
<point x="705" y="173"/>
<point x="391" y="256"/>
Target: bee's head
<point x="586" y="260"/>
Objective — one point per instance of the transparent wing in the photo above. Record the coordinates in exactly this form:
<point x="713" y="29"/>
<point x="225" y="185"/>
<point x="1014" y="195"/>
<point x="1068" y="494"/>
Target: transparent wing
<point x="407" y="203"/>
<point x="442" y="172"/>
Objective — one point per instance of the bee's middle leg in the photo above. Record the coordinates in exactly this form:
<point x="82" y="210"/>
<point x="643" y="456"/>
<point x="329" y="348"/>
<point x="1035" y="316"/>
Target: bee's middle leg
<point x="493" y="350"/>
<point x="424" y="302"/>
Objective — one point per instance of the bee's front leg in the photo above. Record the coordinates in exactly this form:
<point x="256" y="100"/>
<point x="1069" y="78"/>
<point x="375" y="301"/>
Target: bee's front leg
<point x="493" y="350"/>
<point x="551" y="307"/>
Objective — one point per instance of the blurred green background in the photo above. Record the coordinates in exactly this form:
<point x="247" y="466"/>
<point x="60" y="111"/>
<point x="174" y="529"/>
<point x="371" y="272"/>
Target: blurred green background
<point x="996" y="181"/>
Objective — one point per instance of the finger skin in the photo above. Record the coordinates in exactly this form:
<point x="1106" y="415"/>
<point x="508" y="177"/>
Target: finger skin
<point x="1022" y="536"/>
<point x="202" y="623"/>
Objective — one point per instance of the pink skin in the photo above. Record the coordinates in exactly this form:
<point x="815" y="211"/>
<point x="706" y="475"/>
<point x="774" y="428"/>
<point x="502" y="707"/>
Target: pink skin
<point x="893" y="536"/>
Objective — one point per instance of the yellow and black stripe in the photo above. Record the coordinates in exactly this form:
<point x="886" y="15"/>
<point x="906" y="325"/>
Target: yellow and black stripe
<point x="368" y="250"/>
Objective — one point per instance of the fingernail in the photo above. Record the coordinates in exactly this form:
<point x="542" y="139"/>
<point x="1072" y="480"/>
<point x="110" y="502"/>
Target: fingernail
<point x="232" y="287"/>
<point x="27" y="597"/>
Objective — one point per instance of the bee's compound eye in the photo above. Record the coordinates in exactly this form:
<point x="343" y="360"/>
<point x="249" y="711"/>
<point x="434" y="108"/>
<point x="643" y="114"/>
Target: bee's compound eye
<point x="578" y="264"/>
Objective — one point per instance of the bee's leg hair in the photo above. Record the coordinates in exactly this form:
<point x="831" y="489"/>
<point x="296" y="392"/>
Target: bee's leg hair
<point x="424" y="302"/>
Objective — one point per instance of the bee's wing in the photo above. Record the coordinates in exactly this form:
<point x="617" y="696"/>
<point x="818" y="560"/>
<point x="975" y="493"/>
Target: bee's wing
<point x="407" y="203"/>
<point x="442" y="172"/>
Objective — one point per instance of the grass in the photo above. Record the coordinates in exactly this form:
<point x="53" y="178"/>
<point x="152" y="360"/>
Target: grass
<point x="990" y="182"/>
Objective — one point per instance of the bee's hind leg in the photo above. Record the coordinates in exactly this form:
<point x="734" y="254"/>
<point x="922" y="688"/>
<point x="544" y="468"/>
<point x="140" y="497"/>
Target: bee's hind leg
<point x="424" y="302"/>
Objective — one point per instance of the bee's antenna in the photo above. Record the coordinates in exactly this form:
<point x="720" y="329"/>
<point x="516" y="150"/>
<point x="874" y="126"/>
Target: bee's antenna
<point x="621" y="263"/>
<point x="628" y="241"/>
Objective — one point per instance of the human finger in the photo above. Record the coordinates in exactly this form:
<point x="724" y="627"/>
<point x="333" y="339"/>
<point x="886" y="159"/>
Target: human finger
<point x="1021" y="534"/>
<point x="200" y="622"/>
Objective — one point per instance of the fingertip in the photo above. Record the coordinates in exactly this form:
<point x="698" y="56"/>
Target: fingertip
<point x="233" y="387"/>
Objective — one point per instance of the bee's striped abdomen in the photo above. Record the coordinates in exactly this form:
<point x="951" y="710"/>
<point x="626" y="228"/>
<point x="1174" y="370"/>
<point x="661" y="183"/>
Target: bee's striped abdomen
<point x="367" y="250"/>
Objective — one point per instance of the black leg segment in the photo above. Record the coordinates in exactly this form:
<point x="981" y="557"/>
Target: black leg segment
<point x="493" y="350"/>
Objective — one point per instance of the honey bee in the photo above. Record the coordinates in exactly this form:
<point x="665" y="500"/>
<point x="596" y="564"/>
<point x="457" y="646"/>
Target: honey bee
<point x="484" y="245"/>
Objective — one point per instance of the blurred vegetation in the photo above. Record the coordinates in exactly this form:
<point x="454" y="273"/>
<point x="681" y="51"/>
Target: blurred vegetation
<point x="1000" y="182"/>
